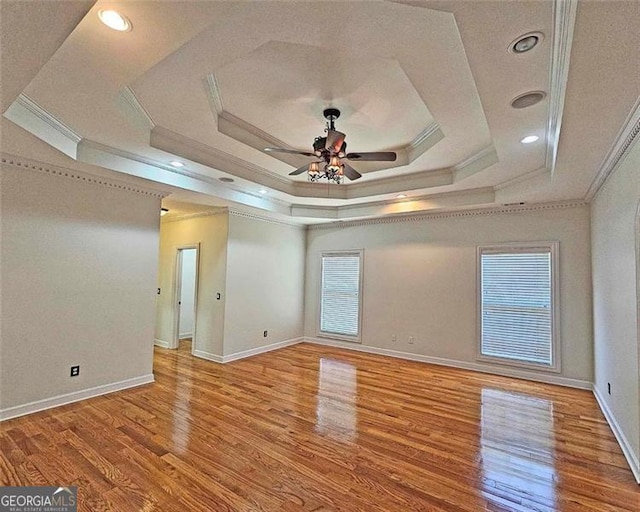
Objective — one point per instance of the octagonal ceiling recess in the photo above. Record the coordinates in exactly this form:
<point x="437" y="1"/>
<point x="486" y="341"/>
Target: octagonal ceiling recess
<point x="432" y="81"/>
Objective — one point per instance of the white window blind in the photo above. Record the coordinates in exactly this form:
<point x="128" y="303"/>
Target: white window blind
<point x="340" y="301"/>
<point x="516" y="305"/>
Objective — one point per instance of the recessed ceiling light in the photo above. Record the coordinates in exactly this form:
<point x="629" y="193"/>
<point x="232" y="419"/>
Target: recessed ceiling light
<point x="262" y="191"/>
<point x="526" y="42"/>
<point x="401" y="196"/>
<point x="224" y="179"/>
<point x="176" y="163"/>
<point x="528" y="99"/>
<point x="529" y="139"/>
<point x="115" y="20"/>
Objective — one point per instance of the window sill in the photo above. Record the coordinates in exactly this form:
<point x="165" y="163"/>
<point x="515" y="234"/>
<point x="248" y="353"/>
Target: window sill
<point x="514" y="363"/>
<point x="339" y="337"/>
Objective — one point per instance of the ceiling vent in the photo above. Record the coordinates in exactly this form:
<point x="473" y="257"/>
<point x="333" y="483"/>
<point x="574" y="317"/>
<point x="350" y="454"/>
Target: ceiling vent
<point x="528" y="99"/>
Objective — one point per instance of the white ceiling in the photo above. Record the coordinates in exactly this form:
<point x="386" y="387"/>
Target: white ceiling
<point x="212" y="83"/>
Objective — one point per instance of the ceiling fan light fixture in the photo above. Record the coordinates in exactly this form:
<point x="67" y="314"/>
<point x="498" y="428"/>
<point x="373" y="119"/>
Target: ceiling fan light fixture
<point x="114" y="20"/>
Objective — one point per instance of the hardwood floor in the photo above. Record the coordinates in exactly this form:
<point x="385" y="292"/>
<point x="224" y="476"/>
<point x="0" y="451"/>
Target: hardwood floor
<point x="316" y="429"/>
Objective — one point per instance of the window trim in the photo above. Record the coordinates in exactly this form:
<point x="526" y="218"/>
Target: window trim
<point x="335" y="336"/>
<point x="556" y="348"/>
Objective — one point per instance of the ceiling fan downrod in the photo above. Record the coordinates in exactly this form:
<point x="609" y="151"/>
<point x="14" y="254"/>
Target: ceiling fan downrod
<point x="331" y="114"/>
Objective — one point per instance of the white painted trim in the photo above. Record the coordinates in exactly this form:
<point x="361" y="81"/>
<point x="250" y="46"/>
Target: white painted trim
<point x="542" y="171"/>
<point x="197" y="215"/>
<point x="622" y="144"/>
<point x="237" y="212"/>
<point x="161" y="343"/>
<point x="214" y="95"/>
<point x="75" y="396"/>
<point x="478" y="367"/>
<point x="27" y="114"/>
<point x="446" y="214"/>
<point x="184" y="335"/>
<point x="625" y="445"/>
<point x="130" y="97"/>
<point x="260" y="350"/>
<point x="33" y="165"/>
<point x="208" y="356"/>
<point x="475" y="163"/>
<point x="517" y="247"/>
<point x="564" y="18"/>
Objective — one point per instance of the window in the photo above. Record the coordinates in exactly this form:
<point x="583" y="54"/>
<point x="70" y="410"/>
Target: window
<point x="340" y="294"/>
<point x="517" y="304"/>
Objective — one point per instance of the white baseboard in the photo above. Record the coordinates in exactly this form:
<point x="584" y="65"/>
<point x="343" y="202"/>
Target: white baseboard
<point x="208" y="356"/>
<point x="478" y="367"/>
<point x="185" y="335"/>
<point x="246" y="353"/>
<point x="632" y="459"/>
<point x="161" y="343"/>
<point x="261" y="350"/>
<point x="76" y="396"/>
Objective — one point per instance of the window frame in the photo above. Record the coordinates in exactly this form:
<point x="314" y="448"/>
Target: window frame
<point x="518" y="247"/>
<point x="336" y="336"/>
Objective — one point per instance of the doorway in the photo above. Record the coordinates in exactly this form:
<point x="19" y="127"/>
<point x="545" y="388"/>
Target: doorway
<point x="186" y="297"/>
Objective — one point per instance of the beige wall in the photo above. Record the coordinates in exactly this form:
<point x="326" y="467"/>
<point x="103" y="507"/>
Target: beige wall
<point x="420" y="281"/>
<point x="78" y="267"/>
<point x="614" y="225"/>
<point x="265" y="284"/>
<point x="211" y="232"/>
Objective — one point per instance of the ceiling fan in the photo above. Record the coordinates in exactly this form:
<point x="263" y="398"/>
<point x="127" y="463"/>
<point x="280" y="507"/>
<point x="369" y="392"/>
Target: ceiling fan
<point x="330" y="150"/>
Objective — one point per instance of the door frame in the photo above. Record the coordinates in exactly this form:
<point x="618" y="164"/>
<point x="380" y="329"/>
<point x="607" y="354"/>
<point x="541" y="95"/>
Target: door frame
<point x="177" y="291"/>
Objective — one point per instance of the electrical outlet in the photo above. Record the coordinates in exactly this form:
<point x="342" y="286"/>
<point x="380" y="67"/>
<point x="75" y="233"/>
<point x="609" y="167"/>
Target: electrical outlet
<point x="394" y="338"/>
<point x="411" y="340"/>
<point x="264" y="334"/>
<point x="75" y="371"/>
<point x="609" y="387"/>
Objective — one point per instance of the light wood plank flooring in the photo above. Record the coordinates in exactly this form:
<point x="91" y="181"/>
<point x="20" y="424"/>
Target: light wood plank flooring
<point x="311" y="428"/>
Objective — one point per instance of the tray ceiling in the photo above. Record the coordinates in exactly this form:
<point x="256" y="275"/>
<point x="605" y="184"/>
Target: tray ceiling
<point x="210" y="84"/>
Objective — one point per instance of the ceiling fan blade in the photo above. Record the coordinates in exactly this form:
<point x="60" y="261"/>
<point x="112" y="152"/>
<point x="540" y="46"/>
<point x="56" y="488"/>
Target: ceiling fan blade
<point x="334" y="140"/>
<point x="290" y="151"/>
<point x="379" y="156"/>
<point x="300" y="170"/>
<point x="350" y="172"/>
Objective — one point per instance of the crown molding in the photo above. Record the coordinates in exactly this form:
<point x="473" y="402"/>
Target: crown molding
<point x="475" y="163"/>
<point x="27" y="114"/>
<point x="214" y="95"/>
<point x="48" y="118"/>
<point x="177" y="144"/>
<point x="621" y="146"/>
<point x="453" y="213"/>
<point x="430" y="130"/>
<point x="33" y="165"/>
<point x="424" y="141"/>
<point x="197" y="215"/>
<point x="237" y="212"/>
<point x="132" y="100"/>
<point x="564" y="17"/>
<point x="522" y="178"/>
<point x="112" y="158"/>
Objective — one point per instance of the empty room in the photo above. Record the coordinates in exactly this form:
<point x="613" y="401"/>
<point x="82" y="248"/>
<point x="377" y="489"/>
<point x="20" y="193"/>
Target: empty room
<point x="376" y="256"/>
